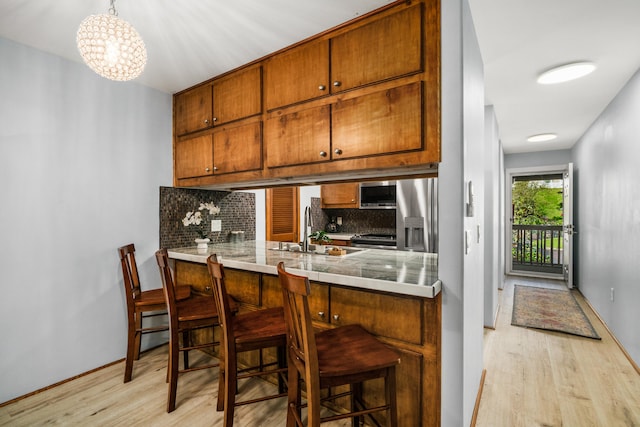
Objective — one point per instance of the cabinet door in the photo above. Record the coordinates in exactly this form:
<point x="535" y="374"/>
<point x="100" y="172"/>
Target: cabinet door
<point x="339" y="195"/>
<point x="384" y="122"/>
<point x="299" y="74"/>
<point x="237" y="96"/>
<point x="237" y="149"/>
<point x="300" y="137"/>
<point x="381" y="314"/>
<point x="193" y="110"/>
<point x="194" y="157"/>
<point x="383" y="49"/>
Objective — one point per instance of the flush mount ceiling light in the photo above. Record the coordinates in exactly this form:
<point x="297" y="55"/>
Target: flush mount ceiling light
<point x="543" y="137"/>
<point x="111" y="47"/>
<point x="565" y="73"/>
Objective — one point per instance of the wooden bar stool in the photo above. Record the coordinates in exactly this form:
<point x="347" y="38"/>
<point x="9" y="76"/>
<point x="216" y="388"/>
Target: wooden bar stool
<point x="347" y="355"/>
<point x="185" y="316"/>
<point x="140" y="302"/>
<point x="255" y="330"/>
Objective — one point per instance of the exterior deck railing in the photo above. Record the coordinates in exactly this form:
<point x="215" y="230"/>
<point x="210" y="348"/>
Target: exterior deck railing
<point x="537" y="248"/>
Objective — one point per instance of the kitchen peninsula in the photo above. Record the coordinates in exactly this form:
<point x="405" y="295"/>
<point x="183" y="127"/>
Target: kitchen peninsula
<point x="393" y="294"/>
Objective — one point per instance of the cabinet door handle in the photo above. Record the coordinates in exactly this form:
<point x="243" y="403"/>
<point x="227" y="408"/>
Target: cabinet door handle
<point x="207" y="169"/>
<point x="322" y="87"/>
<point x="215" y="119"/>
<point x="215" y="168"/>
<point x="321" y="314"/>
<point x="336" y="317"/>
<point x="206" y="121"/>
<point x="323" y="154"/>
<point x="337" y="83"/>
<point x="207" y="288"/>
<point x="337" y="151"/>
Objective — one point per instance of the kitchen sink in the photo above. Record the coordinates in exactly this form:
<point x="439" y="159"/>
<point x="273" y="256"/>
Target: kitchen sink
<point x="349" y="250"/>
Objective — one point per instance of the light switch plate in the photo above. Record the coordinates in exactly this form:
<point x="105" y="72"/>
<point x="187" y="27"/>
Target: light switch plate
<point x="216" y="225"/>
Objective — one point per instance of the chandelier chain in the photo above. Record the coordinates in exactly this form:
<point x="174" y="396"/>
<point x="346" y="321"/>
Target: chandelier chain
<point x="112" y="8"/>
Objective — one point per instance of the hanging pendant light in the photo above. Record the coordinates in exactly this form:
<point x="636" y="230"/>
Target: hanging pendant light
<point x="111" y="47"/>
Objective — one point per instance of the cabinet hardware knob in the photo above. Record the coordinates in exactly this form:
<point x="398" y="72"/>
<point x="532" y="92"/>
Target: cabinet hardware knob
<point x="337" y="151"/>
<point x="336" y="317"/>
<point x="215" y="168"/>
<point x="215" y="119"/>
<point x="207" y="288"/>
<point x="321" y="314"/>
<point x="337" y="83"/>
<point x="322" y="87"/>
<point x="323" y="154"/>
<point x="206" y="121"/>
<point x="207" y="169"/>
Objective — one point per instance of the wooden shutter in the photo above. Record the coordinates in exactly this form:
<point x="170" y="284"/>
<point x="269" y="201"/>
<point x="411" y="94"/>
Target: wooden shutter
<point x="282" y="220"/>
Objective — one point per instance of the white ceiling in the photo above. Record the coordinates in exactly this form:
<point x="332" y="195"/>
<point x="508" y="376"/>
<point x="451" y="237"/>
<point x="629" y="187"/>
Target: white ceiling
<point x="521" y="38"/>
<point x="189" y="41"/>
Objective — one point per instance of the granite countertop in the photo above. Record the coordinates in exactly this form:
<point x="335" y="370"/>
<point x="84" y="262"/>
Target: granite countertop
<point x="400" y="272"/>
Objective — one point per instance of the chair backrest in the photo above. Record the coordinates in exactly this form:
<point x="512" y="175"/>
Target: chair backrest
<point x="162" y="257"/>
<point x="129" y="274"/>
<point x="301" y="342"/>
<point x="225" y="316"/>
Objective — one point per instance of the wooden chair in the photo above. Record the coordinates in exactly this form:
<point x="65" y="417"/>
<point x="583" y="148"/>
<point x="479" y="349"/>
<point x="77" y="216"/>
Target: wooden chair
<point x="347" y="355"/>
<point x="249" y="331"/>
<point x="185" y="316"/>
<point x="140" y="302"/>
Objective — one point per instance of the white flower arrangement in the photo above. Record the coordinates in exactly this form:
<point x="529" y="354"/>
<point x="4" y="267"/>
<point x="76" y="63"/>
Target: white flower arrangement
<point x="196" y="217"/>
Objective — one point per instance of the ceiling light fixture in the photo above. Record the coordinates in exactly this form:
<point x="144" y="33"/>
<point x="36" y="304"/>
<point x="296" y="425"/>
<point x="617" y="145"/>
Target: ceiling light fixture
<point x="542" y="137"/>
<point x="566" y="72"/>
<point x="111" y="47"/>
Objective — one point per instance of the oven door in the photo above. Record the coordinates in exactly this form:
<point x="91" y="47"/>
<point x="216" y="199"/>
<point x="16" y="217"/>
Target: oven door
<point x="360" y="242"/>
<point x="370" y="246"/>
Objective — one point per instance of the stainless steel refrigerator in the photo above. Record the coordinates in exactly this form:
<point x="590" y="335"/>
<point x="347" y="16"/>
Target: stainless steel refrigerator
<point x="417" y="214"/>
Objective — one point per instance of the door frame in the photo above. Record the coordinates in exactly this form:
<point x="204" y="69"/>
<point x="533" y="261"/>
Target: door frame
<point x="524" y="171"/>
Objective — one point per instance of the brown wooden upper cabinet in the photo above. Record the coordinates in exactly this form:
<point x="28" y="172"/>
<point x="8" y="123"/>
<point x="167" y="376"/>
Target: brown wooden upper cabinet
<point x="232" y="97"/>
<point x="299" y="137"/>
<point x="383" y="49"/>
<point x="193" y="109"/>
<point x="299" y="74"/>
<point x="387" y="48"/>
<point x="361" y="99"/>
<point x="227" y="149"/>
<point x="342" y="195"/>
<point x="378" y="123"/>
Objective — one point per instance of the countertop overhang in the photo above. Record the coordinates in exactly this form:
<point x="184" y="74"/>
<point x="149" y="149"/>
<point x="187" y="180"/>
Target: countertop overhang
<point x="400" y="272"/>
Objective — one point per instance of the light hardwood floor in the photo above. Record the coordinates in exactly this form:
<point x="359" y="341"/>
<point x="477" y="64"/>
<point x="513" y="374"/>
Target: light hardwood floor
<point x="102" y="399"/>
<point x="541" y="378"/>
<point x="534" y="378"/>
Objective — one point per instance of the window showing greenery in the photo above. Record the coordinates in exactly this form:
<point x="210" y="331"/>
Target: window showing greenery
<point x="537" y="202"/>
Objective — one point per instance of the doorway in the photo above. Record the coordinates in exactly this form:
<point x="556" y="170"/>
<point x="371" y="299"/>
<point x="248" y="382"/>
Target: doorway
<point x="540" y="226"/>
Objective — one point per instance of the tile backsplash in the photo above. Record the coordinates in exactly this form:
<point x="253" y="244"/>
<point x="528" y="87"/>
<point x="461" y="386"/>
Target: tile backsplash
<point x="355" y="221"/>
<point x="237" y="213"/>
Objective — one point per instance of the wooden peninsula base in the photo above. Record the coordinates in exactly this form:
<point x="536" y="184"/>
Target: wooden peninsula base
<point x="410" y="324"/>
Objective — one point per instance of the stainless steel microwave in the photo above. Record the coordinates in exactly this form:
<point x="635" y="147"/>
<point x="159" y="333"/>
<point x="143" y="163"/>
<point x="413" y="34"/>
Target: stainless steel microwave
<point x="378" y="195"/>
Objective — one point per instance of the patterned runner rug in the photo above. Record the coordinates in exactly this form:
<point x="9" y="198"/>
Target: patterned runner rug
<point x="550" y="309"/>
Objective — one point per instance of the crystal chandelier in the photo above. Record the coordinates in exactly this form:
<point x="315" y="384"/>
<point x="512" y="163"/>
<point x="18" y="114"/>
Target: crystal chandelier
<point x="111" y="47"/>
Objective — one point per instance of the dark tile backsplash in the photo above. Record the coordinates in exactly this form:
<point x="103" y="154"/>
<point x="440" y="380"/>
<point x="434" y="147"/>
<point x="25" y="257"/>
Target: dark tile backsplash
<point x="355" y="221"/>
<point x="237" y="213"/>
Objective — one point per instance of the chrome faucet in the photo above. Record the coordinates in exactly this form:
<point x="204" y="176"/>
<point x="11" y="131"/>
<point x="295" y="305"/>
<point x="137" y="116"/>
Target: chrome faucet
<point x="308" y="223"/>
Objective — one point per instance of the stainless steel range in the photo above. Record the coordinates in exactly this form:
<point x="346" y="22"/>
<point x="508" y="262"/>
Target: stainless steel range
<point x="374" y="241"/>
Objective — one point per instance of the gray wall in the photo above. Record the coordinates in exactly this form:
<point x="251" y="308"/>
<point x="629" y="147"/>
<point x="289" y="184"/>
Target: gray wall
<point x="462" y="153"/>
<point x="538" y="158"/>
<point x="608" y="215"/>
<point x="494" y="233"/>
<point x="81" y="162"/>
